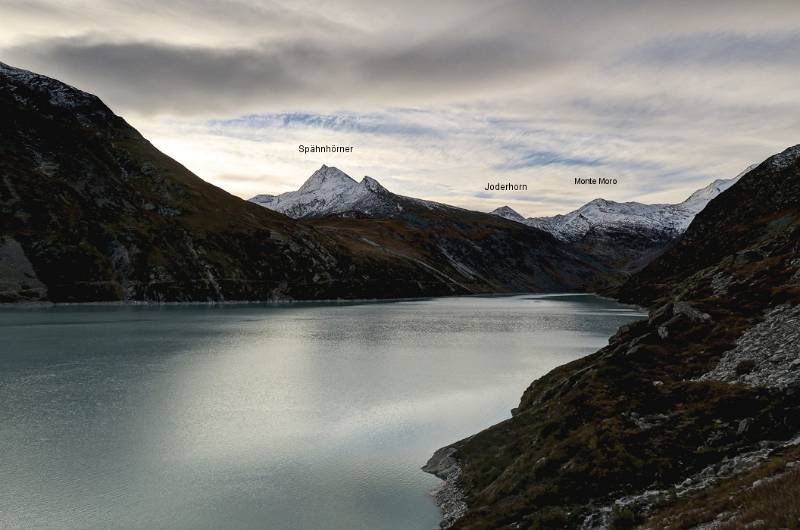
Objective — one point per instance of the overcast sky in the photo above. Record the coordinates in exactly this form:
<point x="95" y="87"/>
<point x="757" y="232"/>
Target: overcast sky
<point x="438" y="98"/>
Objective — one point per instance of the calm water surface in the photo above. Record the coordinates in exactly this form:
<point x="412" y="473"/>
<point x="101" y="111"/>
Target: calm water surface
<point x="278" y="417"/>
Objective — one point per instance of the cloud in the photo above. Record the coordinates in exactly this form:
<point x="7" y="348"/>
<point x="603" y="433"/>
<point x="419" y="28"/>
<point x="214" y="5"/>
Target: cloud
<point x="549" y="158"/>
<point x="721" y="49"/>
<point x="376" y="123"/>
<point x="153" y="77"/>
<point x="437" y="97"/>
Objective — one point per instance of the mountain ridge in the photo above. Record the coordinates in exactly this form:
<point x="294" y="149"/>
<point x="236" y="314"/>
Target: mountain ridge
<point x="331" y="191"/>
<point x="603" y="214"/>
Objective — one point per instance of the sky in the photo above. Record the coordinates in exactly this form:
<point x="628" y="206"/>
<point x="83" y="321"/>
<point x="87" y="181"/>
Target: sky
<point x="437" y="98"/>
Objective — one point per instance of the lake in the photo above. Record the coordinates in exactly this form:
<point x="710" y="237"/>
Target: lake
<point x="297" y="416"/>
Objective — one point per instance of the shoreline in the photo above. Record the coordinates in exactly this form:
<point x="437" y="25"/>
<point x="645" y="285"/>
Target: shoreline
<point x="448" y="496"/>
<point x="288" y="301"/>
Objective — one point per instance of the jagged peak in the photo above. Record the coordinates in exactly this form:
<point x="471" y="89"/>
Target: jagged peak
<point x="328" y="176"/>
<point x="373" y="185"/>
<point x="599" y="202"/>
<point x="504" y="209"/>
<point x="508" y="212"/>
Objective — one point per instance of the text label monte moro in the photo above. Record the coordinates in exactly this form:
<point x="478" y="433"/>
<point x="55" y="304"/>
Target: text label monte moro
<point x="601" y="181"/>
<point x="496" y="186"/>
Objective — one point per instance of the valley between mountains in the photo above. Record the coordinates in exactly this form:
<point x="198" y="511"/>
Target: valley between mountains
<point x="687" y="419"/>
<point x="93" y="212"/>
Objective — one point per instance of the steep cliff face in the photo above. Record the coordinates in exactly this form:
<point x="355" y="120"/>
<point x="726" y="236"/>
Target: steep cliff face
<point x="91" y="211"/>
<point x="702" y="391"/>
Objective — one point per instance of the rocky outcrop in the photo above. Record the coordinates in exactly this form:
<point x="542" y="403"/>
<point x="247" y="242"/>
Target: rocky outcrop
<point x="449" y="496"/>
<point x="766" y="355"/>
<point x="18" y="281"/>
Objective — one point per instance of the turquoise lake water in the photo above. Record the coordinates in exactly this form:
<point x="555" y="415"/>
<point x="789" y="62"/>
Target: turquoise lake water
<point x="303" y="416"/>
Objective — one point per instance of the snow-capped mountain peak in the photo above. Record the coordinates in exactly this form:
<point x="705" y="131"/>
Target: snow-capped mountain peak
<point x="604" y="215"/>
<point x="699" y="199"/>
<point x="328" y="179"/>
<point x="331" y="191"/>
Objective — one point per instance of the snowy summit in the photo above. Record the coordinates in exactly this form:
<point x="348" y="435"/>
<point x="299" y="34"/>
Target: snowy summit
<point x="604" y="215"/>
<point x="330" y="191"/>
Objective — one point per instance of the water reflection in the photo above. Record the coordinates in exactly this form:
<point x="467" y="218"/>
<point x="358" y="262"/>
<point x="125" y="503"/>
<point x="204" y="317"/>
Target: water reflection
<point x="302" y="416"/>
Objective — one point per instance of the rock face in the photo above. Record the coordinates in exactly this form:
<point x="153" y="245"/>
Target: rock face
<point x="766" y="355"/>
<point x="18" y="280"/>
<point x="91" y="211"/>
<point x="701" y="391"/>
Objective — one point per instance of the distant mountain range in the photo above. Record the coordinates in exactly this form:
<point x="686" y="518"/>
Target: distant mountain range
<point x="632" y="217"/>
<point x="620" y="238"/>
<point x="624" y="236"/>
<point x="92" y="211"/>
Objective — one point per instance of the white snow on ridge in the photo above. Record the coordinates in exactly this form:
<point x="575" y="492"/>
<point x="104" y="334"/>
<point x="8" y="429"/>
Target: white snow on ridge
<point x="60" y="94"/>
<point x="601" y="214"/>
<point x="331" y="191"/>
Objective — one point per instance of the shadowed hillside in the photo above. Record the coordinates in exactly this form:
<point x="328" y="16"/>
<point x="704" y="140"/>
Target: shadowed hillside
<point x="704" y="389"/>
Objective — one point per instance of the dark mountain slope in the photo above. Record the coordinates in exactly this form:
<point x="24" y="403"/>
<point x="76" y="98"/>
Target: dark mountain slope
<point x="91" y="211"/>
<point x="737" y="231"/>
<point x="703" y="389"/>
<point x="483" y="252"/>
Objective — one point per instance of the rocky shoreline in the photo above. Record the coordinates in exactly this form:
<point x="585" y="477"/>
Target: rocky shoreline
<point x="449" y="497"/>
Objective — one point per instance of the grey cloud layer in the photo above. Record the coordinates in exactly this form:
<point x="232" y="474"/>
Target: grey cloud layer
<point x="663" y="94"/>
<point x="142" y="75"/>
<point x="270" y="56"/>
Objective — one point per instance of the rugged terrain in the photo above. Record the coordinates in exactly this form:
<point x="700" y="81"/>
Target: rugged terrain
<point x="477" y="248"/>
<point x="91" y="211"/>
<point x="624" y="236"/>
<point x="330" y="191"/>
<point x="688" y="418"/>
<point x="617" y="239"/>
